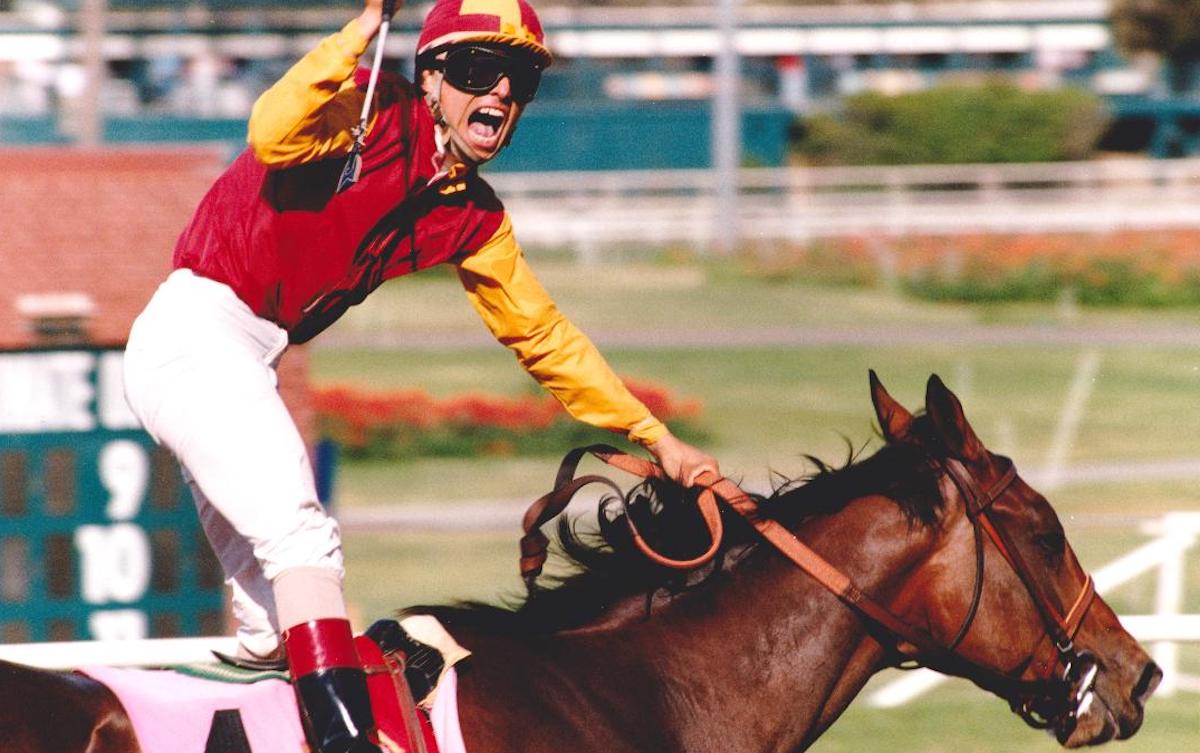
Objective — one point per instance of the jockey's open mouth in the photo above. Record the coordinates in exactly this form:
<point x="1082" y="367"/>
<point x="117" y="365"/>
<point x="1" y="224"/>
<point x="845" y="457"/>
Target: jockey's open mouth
<point x="485" y="125"/>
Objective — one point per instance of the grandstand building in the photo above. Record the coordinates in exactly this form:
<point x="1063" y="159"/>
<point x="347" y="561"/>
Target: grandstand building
<point x="643" y="77"/>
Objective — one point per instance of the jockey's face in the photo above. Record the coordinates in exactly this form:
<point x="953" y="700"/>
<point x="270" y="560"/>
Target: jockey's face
<point x="479" y="102"/>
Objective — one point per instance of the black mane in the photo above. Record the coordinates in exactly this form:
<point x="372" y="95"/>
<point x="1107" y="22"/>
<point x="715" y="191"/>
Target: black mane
<point x="607" y="569"/>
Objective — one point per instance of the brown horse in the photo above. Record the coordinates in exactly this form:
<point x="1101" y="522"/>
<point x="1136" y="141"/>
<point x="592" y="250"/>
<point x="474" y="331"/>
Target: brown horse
<point x="750" y="653"/>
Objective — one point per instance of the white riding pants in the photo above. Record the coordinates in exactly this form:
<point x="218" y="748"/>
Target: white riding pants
<point x="200" y="375"/>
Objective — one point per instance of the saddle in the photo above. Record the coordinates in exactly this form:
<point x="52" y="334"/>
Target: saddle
<point x="250" y="707"/>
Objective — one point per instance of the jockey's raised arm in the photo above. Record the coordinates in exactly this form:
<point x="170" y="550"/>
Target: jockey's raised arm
<point x="352" y="176"/>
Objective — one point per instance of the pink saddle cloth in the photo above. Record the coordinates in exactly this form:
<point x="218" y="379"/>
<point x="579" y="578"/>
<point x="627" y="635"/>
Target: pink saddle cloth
<point x="176" y="713"/>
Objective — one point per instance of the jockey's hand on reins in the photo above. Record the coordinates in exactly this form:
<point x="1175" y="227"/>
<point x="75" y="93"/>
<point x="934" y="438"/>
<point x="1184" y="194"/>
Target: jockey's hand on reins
<point x="682" y="462"/>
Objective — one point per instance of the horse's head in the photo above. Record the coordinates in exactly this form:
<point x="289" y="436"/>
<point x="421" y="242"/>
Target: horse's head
<point x="1029" y="612"/>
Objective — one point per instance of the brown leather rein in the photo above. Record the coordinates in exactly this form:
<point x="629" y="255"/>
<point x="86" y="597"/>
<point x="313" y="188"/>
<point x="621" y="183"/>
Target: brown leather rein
<point x="1039" y="702"/>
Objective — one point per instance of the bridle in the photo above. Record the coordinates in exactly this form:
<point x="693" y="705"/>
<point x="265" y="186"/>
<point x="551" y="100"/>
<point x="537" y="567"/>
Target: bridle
<point x="1079" y="667"/>
<point x="1046" y="702"/>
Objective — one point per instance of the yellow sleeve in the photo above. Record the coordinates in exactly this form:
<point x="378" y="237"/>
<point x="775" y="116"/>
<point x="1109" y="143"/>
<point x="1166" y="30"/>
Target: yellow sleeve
<point x="308" y="114"/>
<point x="522" y="316"/>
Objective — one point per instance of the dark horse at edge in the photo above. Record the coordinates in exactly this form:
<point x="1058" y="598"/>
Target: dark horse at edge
<point x="748" y="654"/>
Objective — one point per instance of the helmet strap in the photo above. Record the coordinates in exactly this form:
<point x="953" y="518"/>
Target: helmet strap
<point x="433" y="100"/>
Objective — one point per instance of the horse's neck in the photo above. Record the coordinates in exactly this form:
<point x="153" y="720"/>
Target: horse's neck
<point x="763" y="660"/>
<point x="784" y="645"/>
<point x="754" y="669"/>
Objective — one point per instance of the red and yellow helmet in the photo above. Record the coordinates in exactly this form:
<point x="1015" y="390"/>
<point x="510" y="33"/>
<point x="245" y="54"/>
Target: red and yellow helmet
<point x="508" y="22"/>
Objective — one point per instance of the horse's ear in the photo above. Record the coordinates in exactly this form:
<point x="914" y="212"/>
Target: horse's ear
<point x="950" y="422"/>
<point x="894" y="420"/>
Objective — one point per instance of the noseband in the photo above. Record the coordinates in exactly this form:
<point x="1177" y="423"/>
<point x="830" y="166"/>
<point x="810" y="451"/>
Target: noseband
<point x="1047" y="702"/>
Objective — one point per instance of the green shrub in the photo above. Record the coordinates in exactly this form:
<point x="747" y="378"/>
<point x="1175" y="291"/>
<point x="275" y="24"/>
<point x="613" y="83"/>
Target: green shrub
<point x="1035" y="282"/>
<point x="994" y="123"/>
<point x="1103" y="282"/>
<point x="1152" y="268"/>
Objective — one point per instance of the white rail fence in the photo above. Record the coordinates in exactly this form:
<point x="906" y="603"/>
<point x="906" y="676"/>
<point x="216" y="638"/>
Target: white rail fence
<point x="585" y="212"/>
<point x="150" y="652"/>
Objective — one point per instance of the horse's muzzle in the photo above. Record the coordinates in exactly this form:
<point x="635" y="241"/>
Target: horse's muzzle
<point x="1089" y="719"/>
<point x="1145" y="687"/>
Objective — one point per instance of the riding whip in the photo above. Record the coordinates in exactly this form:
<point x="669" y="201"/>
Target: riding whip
<point x="353" y="165"/>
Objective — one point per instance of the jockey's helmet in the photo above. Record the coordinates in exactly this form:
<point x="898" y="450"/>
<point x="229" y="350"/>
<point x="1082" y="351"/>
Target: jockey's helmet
<point x="512" y="23"/>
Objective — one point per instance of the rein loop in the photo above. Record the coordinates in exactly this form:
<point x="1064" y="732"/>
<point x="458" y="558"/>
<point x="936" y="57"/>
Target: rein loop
<point x="534" y="543"/>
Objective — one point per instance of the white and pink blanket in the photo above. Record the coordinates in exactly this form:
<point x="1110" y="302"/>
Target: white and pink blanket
<point x="178" y="713"/>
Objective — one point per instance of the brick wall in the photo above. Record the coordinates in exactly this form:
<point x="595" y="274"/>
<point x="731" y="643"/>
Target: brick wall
<point x="104" y="223"/>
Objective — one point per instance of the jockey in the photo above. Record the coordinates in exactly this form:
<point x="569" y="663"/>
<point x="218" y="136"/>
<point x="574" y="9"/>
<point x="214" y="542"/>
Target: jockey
<point x="279" y="248"/>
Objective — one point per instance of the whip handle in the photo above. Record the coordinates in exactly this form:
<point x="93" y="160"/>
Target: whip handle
<point x="389" y="7"/>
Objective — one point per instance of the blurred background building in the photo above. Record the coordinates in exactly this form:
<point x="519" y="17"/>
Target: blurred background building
<point x="639" y="76"/>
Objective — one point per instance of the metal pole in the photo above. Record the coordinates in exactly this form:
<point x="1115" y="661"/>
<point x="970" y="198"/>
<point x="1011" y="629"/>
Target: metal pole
<point x="91" y="28"/>
<point x="726" y="129"/>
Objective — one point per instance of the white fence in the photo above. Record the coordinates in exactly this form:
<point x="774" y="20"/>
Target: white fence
<point x="1174" y="535"/>
<point x="585" y="212"/>
<point x="153" y="652"/>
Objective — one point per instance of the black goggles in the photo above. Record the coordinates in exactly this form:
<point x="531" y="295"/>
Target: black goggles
<point x="477" y="70"/>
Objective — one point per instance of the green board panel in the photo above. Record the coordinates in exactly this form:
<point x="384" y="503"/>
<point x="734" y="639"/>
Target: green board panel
<point x="98" y="535"/>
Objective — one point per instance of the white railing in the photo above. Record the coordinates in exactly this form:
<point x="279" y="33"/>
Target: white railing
<point x="152" y="652"/>
<point x="1174" y="535"/>
<point x="586" y="211"/>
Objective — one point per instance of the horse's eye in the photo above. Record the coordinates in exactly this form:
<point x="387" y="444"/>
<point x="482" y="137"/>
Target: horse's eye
<point x="1051" y="542"/>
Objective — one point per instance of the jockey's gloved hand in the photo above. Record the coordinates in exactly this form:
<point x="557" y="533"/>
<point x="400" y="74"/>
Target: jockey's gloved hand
<point x="422" y="663"/>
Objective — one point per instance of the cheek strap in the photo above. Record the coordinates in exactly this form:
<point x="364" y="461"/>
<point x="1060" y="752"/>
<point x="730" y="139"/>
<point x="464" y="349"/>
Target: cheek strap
<point x="433" y="100"/>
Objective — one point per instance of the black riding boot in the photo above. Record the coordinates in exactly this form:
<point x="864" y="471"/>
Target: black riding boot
<point x="331" y="687"/>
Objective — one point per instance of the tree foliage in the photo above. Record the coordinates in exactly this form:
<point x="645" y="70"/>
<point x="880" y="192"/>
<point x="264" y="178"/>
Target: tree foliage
<point x="1170" y="28"/>
<point x="955" y="125"/>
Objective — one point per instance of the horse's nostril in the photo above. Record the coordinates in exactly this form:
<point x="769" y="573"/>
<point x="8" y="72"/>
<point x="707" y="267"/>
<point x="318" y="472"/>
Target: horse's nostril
<point x="1146" y="684"/>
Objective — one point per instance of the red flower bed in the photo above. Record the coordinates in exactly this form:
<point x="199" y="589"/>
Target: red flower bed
<point x="405" y="423"/>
